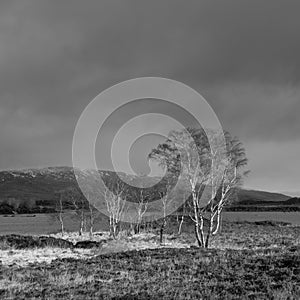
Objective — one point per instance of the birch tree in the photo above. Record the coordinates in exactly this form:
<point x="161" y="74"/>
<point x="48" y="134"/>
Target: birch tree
<point x="59" y="208"/>
<point x="210" y="174"/>
<point x="115" y="200"/>
<point x="166" y="200"/>
<point x="141" y="208"/>
<point x="79" y="204"/>
<point x="93" y="212"/>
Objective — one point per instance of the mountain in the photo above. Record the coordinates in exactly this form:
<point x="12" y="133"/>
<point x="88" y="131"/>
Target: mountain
<point x="251" y="200"/>
<point x="252" y="197"/>
<point x="37" y="184"/>
<point x="293" y="201"/>
<point x="43" y="185"/>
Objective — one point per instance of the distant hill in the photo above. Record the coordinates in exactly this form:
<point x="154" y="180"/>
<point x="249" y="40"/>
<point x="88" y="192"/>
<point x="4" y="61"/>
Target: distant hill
<point x="252" y="197"/>
<point x="251" y="200"/>
<point x="293" y="201"/>
<point x="37" y="184"/>
<point x="43" y="185"/>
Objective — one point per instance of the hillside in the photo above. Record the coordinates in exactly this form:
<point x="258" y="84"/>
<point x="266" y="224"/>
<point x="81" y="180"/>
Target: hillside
<point x="250" y="197"/>
<point x="251" y="200"/>
<point x="42" y="186"/>
<point x="37" y="184"/>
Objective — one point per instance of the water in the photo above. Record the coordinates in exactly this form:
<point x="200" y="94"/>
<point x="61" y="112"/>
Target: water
<point x="279" y="216"/>
<point x="46" y="223"/>
<point x="41" y="224"/>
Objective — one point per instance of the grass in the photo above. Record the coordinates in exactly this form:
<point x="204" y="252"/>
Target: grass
<point x="246" y="261"/>
<point x="67" y="280"/>
<point x="161" y="274"/>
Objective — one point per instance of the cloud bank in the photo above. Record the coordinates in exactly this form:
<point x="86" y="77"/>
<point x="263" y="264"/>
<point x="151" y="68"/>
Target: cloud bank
<point x="242" y="56"/>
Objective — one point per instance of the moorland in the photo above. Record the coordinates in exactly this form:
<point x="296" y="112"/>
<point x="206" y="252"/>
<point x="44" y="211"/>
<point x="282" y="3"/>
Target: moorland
<point x="257" y="259"/>
<point x="246" y="260"/>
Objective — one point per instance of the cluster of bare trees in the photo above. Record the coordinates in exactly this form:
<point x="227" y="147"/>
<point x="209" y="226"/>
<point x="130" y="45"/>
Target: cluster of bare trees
<point x="211" y="173"/>
<point x="115" y="199"/>
<point x="80" y="209"/>
<point x="211" y="167"/>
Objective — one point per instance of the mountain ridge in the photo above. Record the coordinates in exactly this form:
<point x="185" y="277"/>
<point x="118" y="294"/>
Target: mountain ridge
<point x="43" y="184"/>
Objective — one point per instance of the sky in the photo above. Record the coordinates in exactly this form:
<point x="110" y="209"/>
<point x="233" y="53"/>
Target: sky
<point x="242" y="56"/>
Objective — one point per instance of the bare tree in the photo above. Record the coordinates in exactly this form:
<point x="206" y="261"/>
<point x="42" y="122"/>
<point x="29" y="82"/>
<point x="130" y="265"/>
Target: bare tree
<point x="93" y="212"/>
<point x="106" y="193"/>
<point x="166" y="200"/>
<point x="79" y="204"/>
<point x="115" y="203"/>
<point x="59" y="215"/>
<point x="228" y="179"/>
<point x="180" y="217"/>
<point x="142" y="206"/>
<point x="204" y="169"/>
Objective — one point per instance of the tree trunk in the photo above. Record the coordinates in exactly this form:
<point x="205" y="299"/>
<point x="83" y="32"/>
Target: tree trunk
<point x="61" y="220"/>
<point x="91" y="220"/>
<point x="210" y="229"/>
<point x="198" y="235"/>
<point x="115" y="229"/>
<point x="198" y="223"/>
<point x="201" y="231"/>
<point x="162" y="231"/>
<point x="111" y="227"/>
<point x="132" y="231"/>
<point x="218" y="223"/>
<point x="208" y="237"/>
<point x="61" y="223"/>
<point x="161" y="234"/>
<point x="137" y="228"/>
<point x="81" y="227"/>
<point x="91" y="226"/>
<point x="180" y="225"/>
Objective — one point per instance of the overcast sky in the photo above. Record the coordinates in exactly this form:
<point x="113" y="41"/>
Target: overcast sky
<point x="242" y="56"/>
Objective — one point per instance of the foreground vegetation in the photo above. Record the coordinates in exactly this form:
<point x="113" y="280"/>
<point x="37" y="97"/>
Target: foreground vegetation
<point x="161" y="274"/>
<point x="246" y="261"/>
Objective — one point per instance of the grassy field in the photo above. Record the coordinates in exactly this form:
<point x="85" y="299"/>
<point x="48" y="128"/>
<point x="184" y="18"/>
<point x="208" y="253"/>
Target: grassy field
<point x="245" y="261"/>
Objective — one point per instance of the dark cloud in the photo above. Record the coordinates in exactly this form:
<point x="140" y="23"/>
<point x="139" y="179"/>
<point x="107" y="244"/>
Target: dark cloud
<point x="259" y="111"/>
<point x="243" y="56"/>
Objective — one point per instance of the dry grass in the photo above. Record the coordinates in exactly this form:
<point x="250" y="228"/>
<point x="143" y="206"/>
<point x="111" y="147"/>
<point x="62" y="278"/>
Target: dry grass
<point x="24" y="257"/>
<point x="160" y="274"/>
<point x="233" y="236"/>
<point x="67" y="280"/>
<point x="265" y="266"/>
<point x="44" y="255"/>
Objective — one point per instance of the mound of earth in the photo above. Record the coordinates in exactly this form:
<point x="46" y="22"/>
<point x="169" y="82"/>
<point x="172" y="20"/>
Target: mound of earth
<point x="88" y="244"/>
<point x="24" y="242"/>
